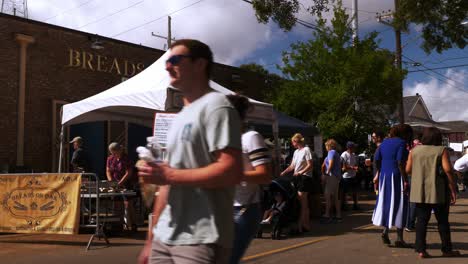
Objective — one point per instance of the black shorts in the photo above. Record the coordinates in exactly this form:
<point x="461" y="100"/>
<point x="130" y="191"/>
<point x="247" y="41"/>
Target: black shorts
<point x="303" y="183"/>
<point x="349" y="184"/>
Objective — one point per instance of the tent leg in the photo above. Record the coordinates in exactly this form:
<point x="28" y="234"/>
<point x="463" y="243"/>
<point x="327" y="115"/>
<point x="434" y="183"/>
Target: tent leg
<point x="276" y="169"/>
<point x="61" y="151"/>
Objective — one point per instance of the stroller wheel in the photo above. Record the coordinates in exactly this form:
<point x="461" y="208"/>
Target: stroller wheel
<point x="259" y="234"/>
<point x="276" y="234"/>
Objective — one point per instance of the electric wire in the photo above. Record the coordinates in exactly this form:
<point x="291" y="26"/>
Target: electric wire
<point x="109" y="15"/>
<point x="159" y="18"/>
<point x="68" y="10"/>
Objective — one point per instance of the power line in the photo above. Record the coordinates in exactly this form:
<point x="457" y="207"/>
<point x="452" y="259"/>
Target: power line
<point x="411" y="40"/>
<point x="161" y="17"/>
<point x="360" y="10"/>
<point x="66" y="11"/>
<point x="445" y="77"/>
<point x="439" y="68"/>
<point x="109" y="15"/>
<point x="462" y="84"/>
<point x="442" y="61"/>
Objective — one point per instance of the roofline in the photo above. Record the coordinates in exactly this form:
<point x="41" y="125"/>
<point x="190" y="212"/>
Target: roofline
<point x="40" y="23"/>
<point x="424" y="105"/>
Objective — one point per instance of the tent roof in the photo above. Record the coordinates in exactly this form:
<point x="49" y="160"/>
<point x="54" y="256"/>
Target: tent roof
<point x="287" y="126"/>
<point x="138" y="98"/>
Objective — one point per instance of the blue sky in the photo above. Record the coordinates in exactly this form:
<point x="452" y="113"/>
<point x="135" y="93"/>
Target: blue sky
<point x="231" y="29"/>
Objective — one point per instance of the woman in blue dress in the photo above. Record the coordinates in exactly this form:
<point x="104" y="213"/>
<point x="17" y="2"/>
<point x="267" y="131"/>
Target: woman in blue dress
<point x="390" y="208"/>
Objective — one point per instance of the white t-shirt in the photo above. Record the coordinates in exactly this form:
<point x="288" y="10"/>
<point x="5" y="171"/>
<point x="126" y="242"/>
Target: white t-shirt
<point x="461" y="164"/>
<point x="196" y="215"/>
<point x="254" y="153"/>
<point x="350" y="160"/>
<point x="300" y="158"/>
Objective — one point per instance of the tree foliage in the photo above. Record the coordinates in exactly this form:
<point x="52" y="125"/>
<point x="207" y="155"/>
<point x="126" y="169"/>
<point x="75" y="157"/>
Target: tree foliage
<point x="253" y="67"/>
<point x="441" y="20"/>
<point x="348" y="90"/>
<point x="272" y="81"/>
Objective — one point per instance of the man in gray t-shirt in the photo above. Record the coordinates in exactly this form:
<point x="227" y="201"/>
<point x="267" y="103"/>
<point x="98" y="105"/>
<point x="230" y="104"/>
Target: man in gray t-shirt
<point x="193" y="212"/>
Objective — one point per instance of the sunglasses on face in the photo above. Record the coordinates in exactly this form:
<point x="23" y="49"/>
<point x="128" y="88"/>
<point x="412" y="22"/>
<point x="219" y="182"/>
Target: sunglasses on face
<point x="176" y="59"/>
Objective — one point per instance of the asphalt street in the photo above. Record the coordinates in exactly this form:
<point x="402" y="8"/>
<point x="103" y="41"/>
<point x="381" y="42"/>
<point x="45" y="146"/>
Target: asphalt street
<point x="353" y="241"/>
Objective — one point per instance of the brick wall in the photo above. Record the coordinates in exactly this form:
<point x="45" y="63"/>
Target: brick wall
<point x="50" y="77"/>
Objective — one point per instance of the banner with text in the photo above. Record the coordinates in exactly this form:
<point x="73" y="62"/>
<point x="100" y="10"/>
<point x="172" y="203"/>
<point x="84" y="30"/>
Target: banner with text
<point x="40" y="203"/>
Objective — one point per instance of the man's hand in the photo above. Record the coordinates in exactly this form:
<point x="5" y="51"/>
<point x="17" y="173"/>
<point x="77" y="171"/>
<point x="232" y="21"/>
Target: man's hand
<point x="406" y="187"/>
<point x="154" y="173"/>
<point x="453" y="197"/>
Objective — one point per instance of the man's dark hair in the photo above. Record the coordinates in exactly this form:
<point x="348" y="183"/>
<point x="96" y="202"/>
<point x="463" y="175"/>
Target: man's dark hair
<point x="197" y="49"/>
<point x="240" y="103"/>
<point x="380" y="134"/>
<point x="403" y="131"/>
<point x="431" y="136"/>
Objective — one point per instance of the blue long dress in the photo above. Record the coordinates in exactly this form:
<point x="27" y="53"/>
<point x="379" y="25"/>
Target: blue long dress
<point x="390" y="209"/>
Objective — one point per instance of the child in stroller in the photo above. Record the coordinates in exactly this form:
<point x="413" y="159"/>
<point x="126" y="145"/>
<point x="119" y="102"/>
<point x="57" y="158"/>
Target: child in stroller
<point x="273" y="214"/>
<point x="284" y="213"/>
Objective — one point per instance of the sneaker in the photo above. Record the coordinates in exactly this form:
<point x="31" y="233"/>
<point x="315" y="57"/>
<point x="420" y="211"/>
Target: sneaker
<point x="386" y="240"/>
<point x="409" y="229"/>
<point x="423" y="254"/>
<point x="265" y="222"/>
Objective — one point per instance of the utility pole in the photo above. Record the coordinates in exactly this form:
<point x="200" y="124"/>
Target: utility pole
<point x="169" y="33"/>
<point x="398" y="53"/>
<point x="15" y="7"/>
<point x="355" y="21"/>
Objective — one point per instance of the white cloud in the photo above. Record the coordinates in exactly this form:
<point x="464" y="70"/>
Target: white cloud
<point x="446" y="99"/>
<point x="228" y="26"/>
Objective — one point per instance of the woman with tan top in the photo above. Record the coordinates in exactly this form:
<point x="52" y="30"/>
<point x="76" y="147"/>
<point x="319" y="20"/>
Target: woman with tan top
<point x="432" y="188"/>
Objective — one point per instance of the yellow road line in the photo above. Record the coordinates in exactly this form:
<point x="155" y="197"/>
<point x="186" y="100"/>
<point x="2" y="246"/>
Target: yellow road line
<point x="364" y="227"/>
<point x="271" y="252"/>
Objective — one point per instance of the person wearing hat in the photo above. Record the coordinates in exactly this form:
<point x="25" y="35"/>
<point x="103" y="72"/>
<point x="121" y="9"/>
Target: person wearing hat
<point x="79" y="160"/>
<point x="349" y="168"/>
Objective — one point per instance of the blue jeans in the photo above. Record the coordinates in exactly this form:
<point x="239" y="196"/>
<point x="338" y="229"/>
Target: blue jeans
<point x="246" y="225"/>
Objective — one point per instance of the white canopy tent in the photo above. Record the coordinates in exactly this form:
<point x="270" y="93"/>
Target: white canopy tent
<point x="137" y="100"/>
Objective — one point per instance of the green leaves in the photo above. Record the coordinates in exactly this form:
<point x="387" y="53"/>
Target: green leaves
<point x="348" y="90"/>
<point x="281" y="11"/>
<point x="441" y="20"/>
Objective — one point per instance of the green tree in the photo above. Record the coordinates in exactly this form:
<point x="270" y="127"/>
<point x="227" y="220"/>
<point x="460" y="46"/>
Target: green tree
<point x="253" y="67"/>
<point x="441" y="20"/>
<point x="348" y="90"/>
<point x="272" y="81"/>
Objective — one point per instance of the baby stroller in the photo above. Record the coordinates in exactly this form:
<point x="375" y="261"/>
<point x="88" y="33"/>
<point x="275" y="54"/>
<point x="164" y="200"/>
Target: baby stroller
<point x="290" y="214"/>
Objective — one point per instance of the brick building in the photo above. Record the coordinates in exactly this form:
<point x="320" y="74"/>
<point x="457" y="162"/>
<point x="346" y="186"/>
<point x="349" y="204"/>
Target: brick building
<point x="44" y="66"/>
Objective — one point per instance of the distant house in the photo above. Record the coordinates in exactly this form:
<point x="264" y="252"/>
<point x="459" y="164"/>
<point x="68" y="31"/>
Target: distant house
<point x="458" y="131"/>
<point x="417" y="115"/>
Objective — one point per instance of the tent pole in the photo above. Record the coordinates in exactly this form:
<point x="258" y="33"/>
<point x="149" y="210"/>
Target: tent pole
<point x="277" y="168"/>
<point x="61" y="151"/>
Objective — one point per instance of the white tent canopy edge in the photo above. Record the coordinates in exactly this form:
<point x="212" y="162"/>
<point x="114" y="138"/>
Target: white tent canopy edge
<point x="138" y="98"/>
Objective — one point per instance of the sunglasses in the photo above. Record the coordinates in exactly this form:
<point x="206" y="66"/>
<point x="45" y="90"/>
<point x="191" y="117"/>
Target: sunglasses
<point x="176" y="59"/>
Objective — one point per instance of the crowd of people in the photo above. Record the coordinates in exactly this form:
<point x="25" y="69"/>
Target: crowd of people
<point x="210" y="207"/>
